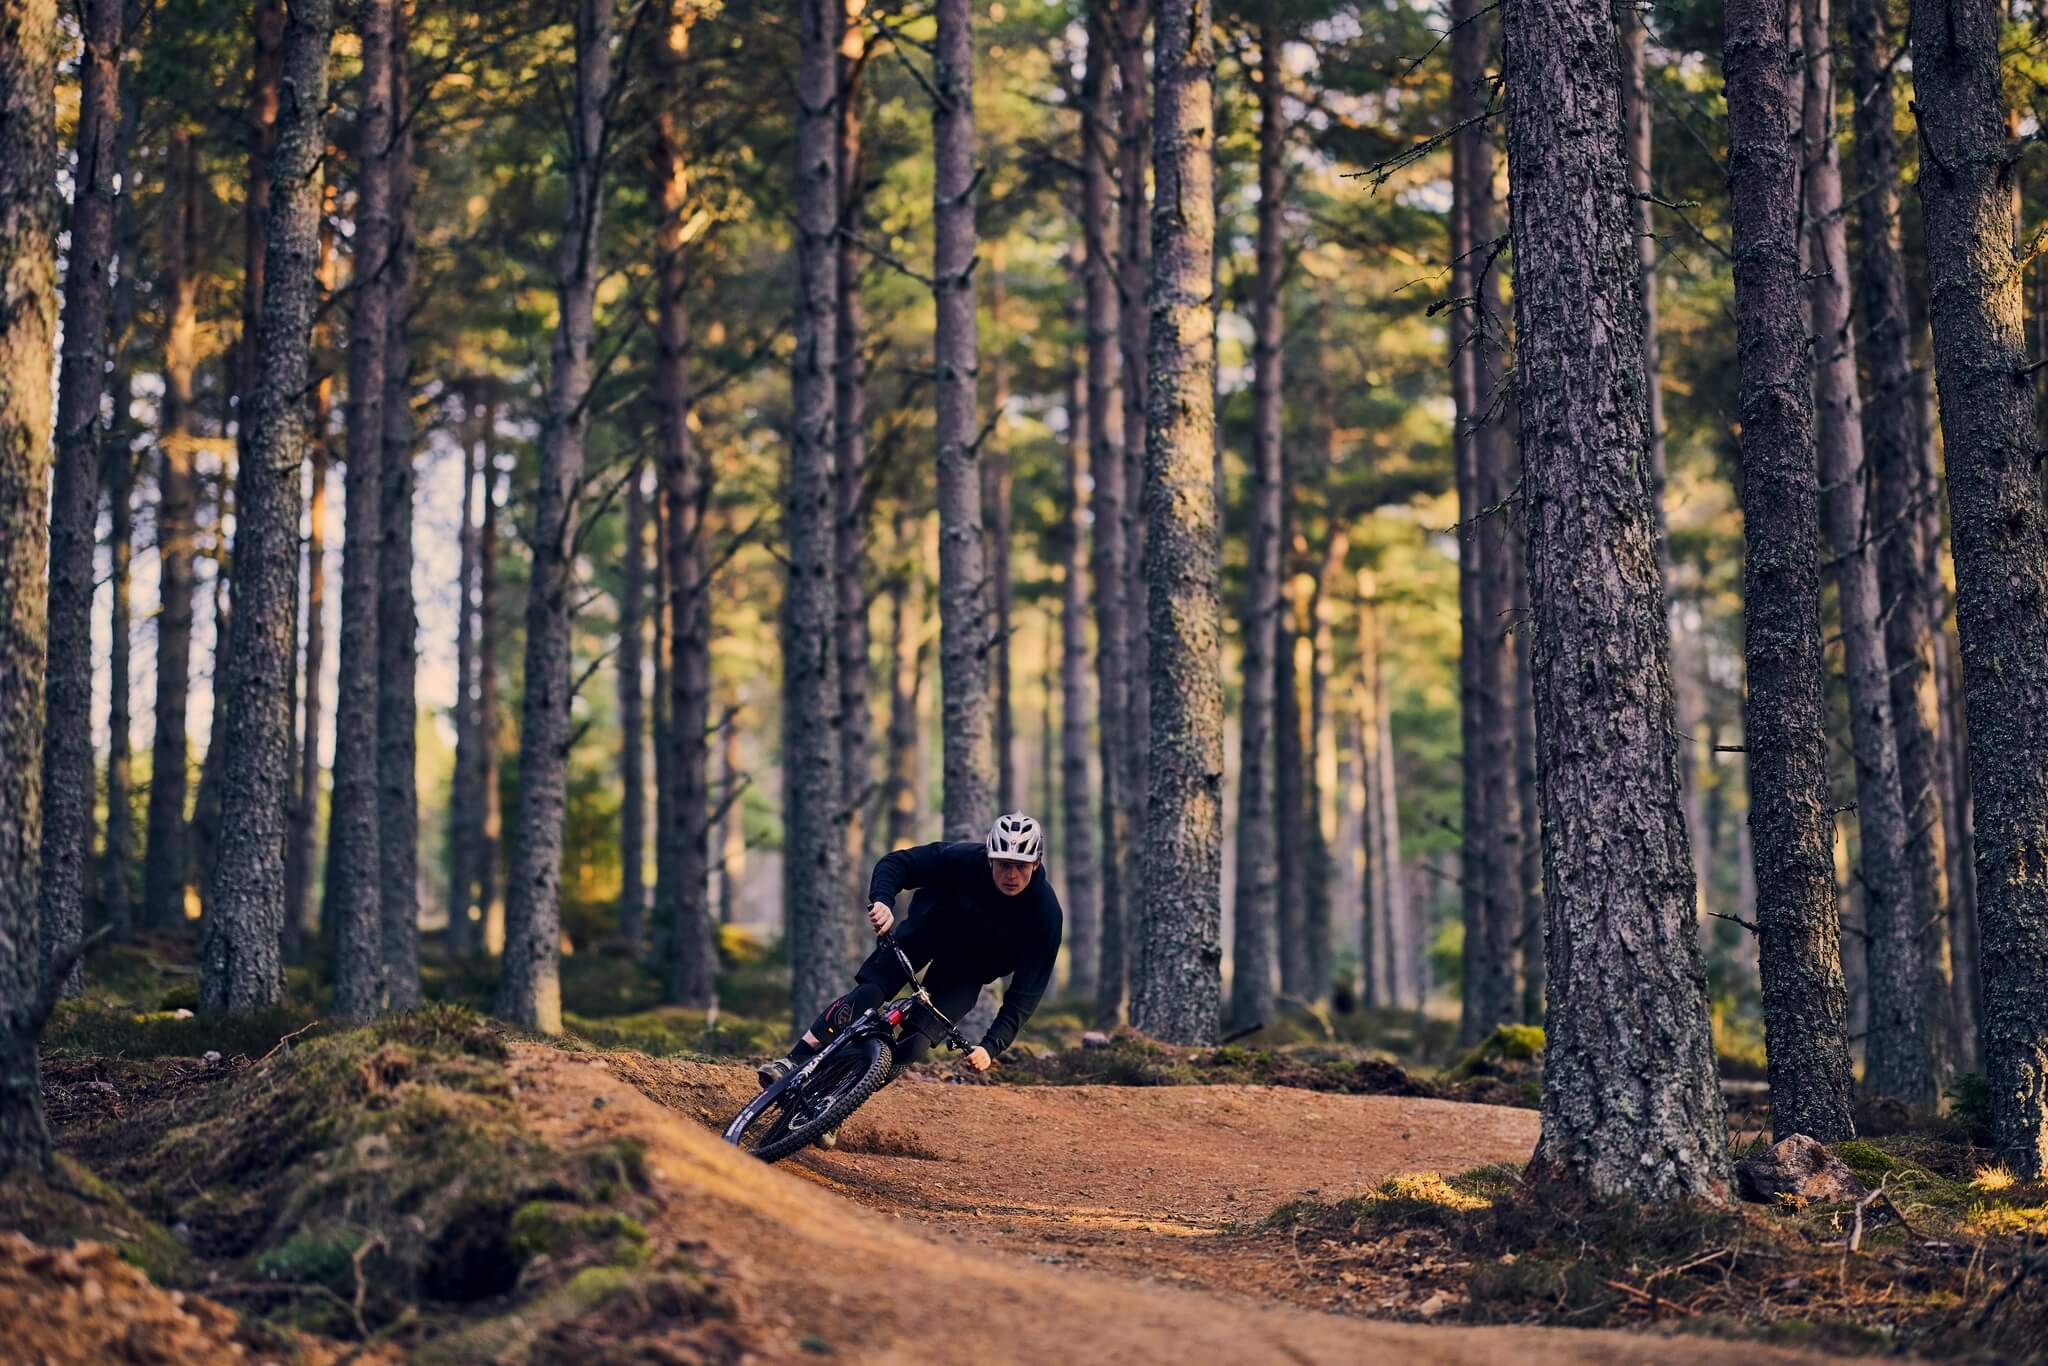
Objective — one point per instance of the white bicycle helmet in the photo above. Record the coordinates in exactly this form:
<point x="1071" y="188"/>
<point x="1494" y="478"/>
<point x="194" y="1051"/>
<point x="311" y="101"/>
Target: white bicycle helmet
<point x="1016" y="838"/>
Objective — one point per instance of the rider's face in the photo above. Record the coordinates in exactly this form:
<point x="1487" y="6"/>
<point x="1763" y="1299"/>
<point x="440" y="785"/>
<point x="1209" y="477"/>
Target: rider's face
<point x="1011" y="877"/>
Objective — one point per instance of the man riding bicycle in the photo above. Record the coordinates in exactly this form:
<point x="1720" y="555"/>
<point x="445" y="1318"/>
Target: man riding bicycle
<point x="983" y="911"/>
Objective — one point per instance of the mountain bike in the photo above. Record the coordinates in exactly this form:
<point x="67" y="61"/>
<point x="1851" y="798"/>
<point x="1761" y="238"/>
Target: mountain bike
<point x="816" y="1098"/>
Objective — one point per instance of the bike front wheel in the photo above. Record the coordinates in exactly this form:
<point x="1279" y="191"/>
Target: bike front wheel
<point x="795" y="1118"/>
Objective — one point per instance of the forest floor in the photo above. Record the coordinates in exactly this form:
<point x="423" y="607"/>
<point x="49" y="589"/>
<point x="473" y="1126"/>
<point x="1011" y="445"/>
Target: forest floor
<point x="431" y="1188"/>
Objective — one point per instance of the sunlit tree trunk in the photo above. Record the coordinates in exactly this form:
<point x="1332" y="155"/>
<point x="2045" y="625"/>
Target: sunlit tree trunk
<point x="28" y="327"/>
<point x="905" y="676"/>
<point x="486" y="841"/>
<point x="1176" y="980"/>
<point x="1785" y="715"/>
<point x="1106" y="566"/>
<point x="462" y="793"/>
<point x="164" y="859"/>
<point x="996" y="523"/>
<point x="964" y="625"/>
<point x="74" y="506"/>
<point x="1079" y="872"/>
<point x="813" y="888"/>
<point x="1134" y="266"/>
<point x="240" y="965"/>
<point x="529" y="983"/>
<point x="1899" y="1061"/>
<point x="313" y="709"/>
<point x="352" y="901"/>
<point x="633" y="722"/>
<point x="1631" y="1105"/>
<point x="2001" y="556"/>
<point x="117" y="871"/>
<point x="1254" y="935"/>
<point x="693" y="955"/>
<point x="849" y="398"/>
<point x="398" y="811"/>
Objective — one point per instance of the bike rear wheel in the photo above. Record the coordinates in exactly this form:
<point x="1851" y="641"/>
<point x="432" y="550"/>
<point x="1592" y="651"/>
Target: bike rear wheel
<point x="841" y="1085"/>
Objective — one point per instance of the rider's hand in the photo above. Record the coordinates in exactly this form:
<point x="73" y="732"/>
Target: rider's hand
<point x="881" y="917"/>
<point x="978" y="1059"/>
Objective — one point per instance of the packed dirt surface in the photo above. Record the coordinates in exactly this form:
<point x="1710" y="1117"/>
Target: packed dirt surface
<point x="1048" y="1223"/>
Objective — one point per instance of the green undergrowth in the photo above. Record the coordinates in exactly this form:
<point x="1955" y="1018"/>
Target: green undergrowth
<point x="364" y="1183"/>
<point x="1946" y="1263"/>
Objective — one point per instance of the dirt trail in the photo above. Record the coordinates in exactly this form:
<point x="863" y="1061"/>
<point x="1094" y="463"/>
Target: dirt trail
<point x="1098" y="1200"/>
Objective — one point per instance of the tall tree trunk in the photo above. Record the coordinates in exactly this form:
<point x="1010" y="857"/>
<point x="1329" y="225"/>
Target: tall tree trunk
<point x="1106" y="564"/>
<point x="74" y="507"/>
<point x="462" y="795"/>
<point x="995" y="521"/>
<point x="1077" y="698"/>
<point x="164" y="860"/>
<point x="486" y="841"/>
<point x="666" y="819"/>
<point x="117" y="872"/>
<point x="306" y="808"/>
<point x="1134" y="267"/>
<point x="633" y="724"/>
<point x="352" y="902"/>
<point x="204" y="838"/>
<point x="2001" y="557"/>
<point x="398" y="807"/>
<point x="529" y="982"/>
<point x="1289" y="781"/>
<point x="1254" y="944"/>
<point x="1893" y="439"/>
<point x="1636" y="107"/>
<point x="1177" y="983"/>
<point x="1631" y="1105"/>
<point x="964" y="625"/>
<point x="732" y="830"/>
<point x="1319" y="767"/>
<point x="849" y="401"/>
<point x="813" y="889"/>
<point x="1898" y="1059"/>
<point x="240" y="965"/>
<point x="1785" y="716"/>
<point x="267" y="28"/>
<point x="1490" y="828"/>
<point x="906" y="652"/>
<point x="693" y="952"/>
<point x="28" y="328"/>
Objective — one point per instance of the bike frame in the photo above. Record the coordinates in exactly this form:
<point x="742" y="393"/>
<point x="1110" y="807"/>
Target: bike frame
<point x="885" y="1020"/>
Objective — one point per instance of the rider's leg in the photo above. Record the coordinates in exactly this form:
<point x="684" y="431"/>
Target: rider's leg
<point x="953" y="1000"/>
<point x="879" y="978"/>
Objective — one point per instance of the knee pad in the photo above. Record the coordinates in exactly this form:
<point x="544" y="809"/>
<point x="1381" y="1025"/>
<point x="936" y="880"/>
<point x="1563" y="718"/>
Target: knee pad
<point x="840" y="1014"/>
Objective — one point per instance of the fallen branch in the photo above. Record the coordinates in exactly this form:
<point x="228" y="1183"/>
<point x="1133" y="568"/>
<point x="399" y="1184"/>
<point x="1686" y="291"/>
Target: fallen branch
<point x="1647" y="1298"/>
<point x="287" y="1039"/>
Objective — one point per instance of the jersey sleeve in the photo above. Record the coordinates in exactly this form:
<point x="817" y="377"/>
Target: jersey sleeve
<point x="1026" y="990"/>
<point x="921" y="866"/>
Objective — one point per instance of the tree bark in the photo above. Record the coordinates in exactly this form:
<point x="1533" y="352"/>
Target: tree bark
<point x="906" y="653"/>
<point x="463" y="794"/>
<point x="813" y="886"/>
<point x="666" y="819"/>
<point x="240" y="966"/>
<point x="353" y="899"/>
<point x="398" y="807"/>
<point x="996" y="524"/>
<point x="1319" y="746"/>
<point x="1177" y="983"/>
<point x="1254" y="941"/>
<point x="306" y="808"/>
<point x="164" y="859"/>
<point x="2001" y="557"/>
<point x="28" y="328"/>
<point x="1106" y="565"/>
<point x="849" y="399"/>
<point x="1785" y="716"/>
<point x="1134" y="268"/>
<point x="529" y="980"/>
<point x="267" y="29"/>
<point x="1079" y="871"/>
<point x="633" y="724"/>
<point x="1289" y="781"/>
<point x="1893" y="439"/>
<point x="1636" y="104"/>
<point x="693" y="950"/>
<point x="1898" y="1061"/>
<point x="1631" y="1105"/>
<point x="487" y="840"/>
<point x="117" y="872"/>
<point x="1490" y="824"/>
<point x="964" y="626"/>
<point x="74" y="506"/>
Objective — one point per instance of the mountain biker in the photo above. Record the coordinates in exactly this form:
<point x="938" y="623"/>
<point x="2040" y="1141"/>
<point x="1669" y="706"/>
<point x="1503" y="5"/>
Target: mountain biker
<point x="982" y="911"/>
